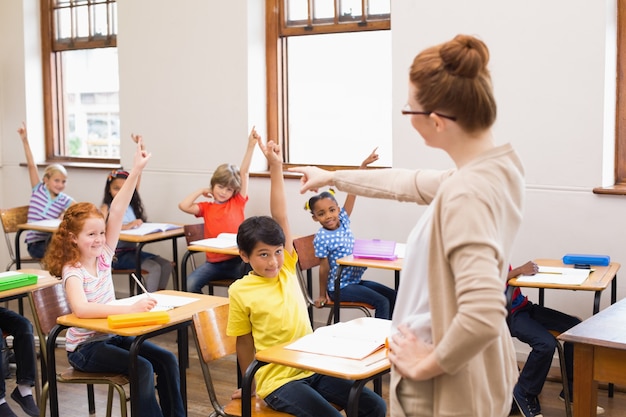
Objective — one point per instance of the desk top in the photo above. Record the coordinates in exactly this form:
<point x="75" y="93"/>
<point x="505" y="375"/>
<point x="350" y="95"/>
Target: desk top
<point x="177" y="315"/>
<point x="44" y="280"/>
<point x="233" y="250"/>
<point x="598" y="280"/>
<point x="151" y="237"/>
<point x="606" y="328"/>
<point x="350" y="260"/>
<point x="352" y="369"/>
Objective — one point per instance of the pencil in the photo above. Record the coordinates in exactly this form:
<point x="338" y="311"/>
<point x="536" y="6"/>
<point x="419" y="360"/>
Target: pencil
<point x="138" y="281"/>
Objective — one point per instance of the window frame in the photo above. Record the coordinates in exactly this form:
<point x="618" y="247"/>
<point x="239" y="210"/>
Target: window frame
<point x="277" y="30"/>
<point x="619" y="187"/>
<point x="52" y="79"/>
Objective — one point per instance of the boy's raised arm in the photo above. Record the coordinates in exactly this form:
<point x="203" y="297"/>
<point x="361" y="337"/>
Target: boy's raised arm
<point x="278" y="201"/>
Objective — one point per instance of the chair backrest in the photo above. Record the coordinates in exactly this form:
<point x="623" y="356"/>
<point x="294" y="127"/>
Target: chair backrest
<point x="210" y="330"/>
<point x="193" y="232"/>
<point x="306" y="262"/>
<point x="10" y="219"/>
<point x="47" y="304"/>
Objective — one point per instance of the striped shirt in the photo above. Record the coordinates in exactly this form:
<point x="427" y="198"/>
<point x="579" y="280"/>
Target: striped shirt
<point x="43" y="207"/>
<point x="97" y="290"/>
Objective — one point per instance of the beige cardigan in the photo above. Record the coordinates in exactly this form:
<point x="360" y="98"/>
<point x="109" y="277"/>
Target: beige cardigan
<point x="476" y="216"/>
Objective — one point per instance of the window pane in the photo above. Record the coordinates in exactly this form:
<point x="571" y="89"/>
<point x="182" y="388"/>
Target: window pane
<point x="91" y="103"/>
<point x="63" y="23"/>
<point x="324" y="9"/>
<point x="296" y="10"/>
<point x="350" y="8"/>
<point x="339" y="97"/>
<point x="379" y="7"/>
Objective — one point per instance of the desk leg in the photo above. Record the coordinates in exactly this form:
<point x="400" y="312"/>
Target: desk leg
<point x="51" y="370"/>
<point x="337" y="297"/>
<point x="397" y="279"/>
<point x="585" y="387"/>
<point x="175" y="260"/>
<point x="246" y="387"/>
<point x="352" y="410"/>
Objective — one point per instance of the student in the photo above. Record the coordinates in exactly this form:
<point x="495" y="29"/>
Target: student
<point x="335" y="240"/>
<point x="531" y="323"/>
<point x="81" y="252"/>
<point x="451" y="351"/>
<point x="158" y="269"/>
<point x="267" y="308"/>
<point x="47" y="201"/>
<point x="21" y="329"/>
<point x="229" y="191"/>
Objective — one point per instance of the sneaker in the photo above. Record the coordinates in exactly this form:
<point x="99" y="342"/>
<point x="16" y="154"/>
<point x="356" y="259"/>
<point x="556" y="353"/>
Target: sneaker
<point x="599" y="410"/>
<point x="27" y="403"/>
<point x="528" y="404"/>
<point x="5" y="411"/>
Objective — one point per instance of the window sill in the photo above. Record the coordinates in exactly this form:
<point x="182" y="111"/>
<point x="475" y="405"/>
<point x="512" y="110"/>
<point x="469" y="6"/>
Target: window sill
<point x="86" y="165"/>
<point x="617" y="189"/>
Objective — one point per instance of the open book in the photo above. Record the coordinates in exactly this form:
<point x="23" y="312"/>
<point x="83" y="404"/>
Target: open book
<point x="147" y="228"/>
<point x="354" y="339"/>
<point x="223" y="240"/>
<point x="164" y="301"/>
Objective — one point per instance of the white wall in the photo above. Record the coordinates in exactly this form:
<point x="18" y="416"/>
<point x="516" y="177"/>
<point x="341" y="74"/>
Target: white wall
<point x="191" y="83"/>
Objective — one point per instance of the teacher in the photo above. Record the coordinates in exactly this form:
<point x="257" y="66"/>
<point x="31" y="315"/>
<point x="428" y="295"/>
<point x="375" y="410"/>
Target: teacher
<point x="450" y="348"/>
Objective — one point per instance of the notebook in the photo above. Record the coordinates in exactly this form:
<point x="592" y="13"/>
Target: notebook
<point x="375" y="249"/>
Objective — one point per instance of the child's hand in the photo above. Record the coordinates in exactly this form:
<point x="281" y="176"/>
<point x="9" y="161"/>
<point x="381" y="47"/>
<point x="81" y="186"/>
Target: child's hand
<point x="271" y="151"/>
<point x="529" y="268"/>
<point x="136" y="139"/>
<point x="22" y="131"/>
<point x="206" y="192"/>
<point x="254" y="137"/>
<point x="371" y="158"/>
<point x="144" y="304"/>
<point x="141" y="155"/>
<point x="321" y="301"/>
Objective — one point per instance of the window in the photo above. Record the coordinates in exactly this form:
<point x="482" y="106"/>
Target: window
<point x="620" y="140"/>
<point x="81" y="85"/>
<point x="329" y="79"/>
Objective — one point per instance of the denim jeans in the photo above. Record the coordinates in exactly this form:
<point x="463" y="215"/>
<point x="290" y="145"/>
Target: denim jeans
<point x="23" y="346"/>
<point x="381" y="297"/>
<point x="111" y="355"/>
<point x="312" y="397"/>
<point x="231" y="269"/>
<point x="531" y="325"/>
<point x="37" y="249"/>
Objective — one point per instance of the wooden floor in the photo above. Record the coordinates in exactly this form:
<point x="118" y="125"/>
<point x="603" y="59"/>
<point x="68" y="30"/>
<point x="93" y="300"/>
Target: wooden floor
<point x="73" y="398"/>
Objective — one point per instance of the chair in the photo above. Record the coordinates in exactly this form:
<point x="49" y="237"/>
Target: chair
<point x="10" y="219"/>
<point x="47" y="304"/>
<point x="195" y="232"/>
<point x="209" y="330"/>
<point x="306" y="262"/>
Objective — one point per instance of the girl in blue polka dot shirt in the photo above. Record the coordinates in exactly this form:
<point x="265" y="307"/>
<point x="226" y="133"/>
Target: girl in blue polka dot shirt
<point x="335" y="240"/>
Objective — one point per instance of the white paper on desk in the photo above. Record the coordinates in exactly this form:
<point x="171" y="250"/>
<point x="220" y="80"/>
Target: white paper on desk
<point x="47" y="223"/>
<point x="222" y="241"/>
<point x="400" y="250"/>
<point x="148" y="228"/>
<point x="556" y="275"/>
<point x="354" y="339"/>
<point x="164" y="301"/>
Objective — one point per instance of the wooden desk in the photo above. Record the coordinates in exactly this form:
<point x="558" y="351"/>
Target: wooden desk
<point x="180" y="319"/>
<point x="395" y="265"/>
<point x="359" y="371"/>
<point x="598" y="281"/>
<point x="44" y="280"/>
<point x="191" y="249"/>
<point x="141" y="241"/>
<point x="599" y="355"/>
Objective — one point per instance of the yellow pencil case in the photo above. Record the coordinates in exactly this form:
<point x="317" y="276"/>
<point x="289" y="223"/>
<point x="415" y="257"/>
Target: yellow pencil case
<point x="149" y="318"/>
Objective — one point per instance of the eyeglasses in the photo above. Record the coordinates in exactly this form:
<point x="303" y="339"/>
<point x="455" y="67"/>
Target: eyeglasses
<point x="407" y="110"/>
